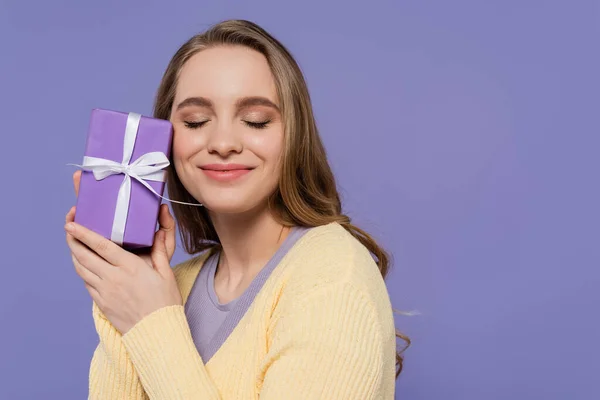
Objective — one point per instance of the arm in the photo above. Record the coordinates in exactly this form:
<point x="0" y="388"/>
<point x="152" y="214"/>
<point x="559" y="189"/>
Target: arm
<point x="164" y="354"/>
<point x="112" y="375"/>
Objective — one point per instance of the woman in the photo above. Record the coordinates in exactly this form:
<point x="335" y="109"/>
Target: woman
<point x="287" y="302"/>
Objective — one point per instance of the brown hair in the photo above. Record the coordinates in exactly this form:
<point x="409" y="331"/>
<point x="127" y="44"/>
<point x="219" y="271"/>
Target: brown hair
<point x="306" y="194"/>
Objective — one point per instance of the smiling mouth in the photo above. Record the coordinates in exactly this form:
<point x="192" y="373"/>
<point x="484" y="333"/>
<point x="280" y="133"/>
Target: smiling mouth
<point x="225" y="175"/>
<point x="225" y="167"/>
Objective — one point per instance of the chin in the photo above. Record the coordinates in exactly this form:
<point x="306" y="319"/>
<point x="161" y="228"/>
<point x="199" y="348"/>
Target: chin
<point x="221" y="208"/>
<point x="231" y="205"/>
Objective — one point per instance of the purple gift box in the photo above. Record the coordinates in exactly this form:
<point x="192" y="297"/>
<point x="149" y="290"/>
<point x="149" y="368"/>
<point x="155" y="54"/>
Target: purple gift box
<point x="97" y="203"/>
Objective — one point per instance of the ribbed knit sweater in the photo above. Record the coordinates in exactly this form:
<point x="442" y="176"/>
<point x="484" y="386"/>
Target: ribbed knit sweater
<point x="321" y="327"/>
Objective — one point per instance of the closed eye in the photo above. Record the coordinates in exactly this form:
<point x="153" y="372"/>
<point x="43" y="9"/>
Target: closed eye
<point x="194" y="125"/>
<point x="257" y="125"/>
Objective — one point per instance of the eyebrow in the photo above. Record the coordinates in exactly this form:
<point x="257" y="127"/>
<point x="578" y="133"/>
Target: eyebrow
<point x="240" y="103"/>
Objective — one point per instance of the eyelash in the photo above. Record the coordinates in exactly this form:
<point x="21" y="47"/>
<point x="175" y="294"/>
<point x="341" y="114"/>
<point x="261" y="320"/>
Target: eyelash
<point x="194" y="125"/>
<point x="255" y="125"/>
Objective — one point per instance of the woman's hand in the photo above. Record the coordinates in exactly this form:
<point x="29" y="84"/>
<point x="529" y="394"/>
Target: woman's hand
<point x="125" y="286"/>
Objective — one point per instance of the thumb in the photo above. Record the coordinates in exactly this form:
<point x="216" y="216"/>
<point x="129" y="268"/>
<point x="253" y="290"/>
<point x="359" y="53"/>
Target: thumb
<point x="159" y="255"/>
<point x="167" y="225"/>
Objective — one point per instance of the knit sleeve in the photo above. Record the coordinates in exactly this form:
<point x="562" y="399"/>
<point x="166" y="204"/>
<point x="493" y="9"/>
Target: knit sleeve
<point x="111" y="374"/>
<point x="328" y="345"/>
<point x="164" y="354"/>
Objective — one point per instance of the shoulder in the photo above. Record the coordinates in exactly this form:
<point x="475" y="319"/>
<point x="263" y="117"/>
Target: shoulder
<point x="331" y="300"/>
<point x="329" y="254"/>
<point x="329" y="260"/>
<point x="331" y="282"/>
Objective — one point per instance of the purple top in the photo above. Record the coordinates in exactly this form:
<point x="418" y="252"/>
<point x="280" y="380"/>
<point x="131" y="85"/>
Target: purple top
<point x="210" y="321"/>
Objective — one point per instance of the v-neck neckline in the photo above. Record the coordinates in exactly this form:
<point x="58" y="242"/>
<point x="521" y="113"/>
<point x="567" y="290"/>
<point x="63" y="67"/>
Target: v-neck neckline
<point x="245" y="300"/>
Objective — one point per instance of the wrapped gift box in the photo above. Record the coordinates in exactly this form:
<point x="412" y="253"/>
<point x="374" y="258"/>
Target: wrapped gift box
<point x="100" y="192"/>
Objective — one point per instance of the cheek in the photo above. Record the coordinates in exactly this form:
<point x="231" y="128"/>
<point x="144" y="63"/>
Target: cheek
<point x="183" y="145"/>
<point x="268" y="147"/>
<point x="178" y="149"/>
<point x="182" y="151"/>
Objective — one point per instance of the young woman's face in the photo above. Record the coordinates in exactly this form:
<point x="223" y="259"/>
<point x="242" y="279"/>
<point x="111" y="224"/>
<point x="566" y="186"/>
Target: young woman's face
<point x="226" y="111"/>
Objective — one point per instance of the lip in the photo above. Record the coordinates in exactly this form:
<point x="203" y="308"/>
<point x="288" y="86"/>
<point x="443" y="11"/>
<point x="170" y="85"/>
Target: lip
<point x="224" y="167"/>
<point x="225" y="172"/>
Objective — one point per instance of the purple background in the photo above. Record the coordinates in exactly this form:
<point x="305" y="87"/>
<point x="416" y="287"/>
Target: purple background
<point x="464" y="135"/>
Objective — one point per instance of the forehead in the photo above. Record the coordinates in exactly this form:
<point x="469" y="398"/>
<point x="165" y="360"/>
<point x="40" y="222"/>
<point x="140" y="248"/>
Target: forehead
<point x="226" y="73"/>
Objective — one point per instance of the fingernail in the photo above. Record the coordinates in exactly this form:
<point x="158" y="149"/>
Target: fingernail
<point x="69" y="227"/>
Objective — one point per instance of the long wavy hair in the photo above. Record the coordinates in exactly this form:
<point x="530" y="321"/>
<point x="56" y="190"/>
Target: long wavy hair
<point x="306" y="194"/>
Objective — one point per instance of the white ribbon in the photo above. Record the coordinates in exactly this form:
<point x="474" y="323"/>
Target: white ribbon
<point x="148" y="167"/>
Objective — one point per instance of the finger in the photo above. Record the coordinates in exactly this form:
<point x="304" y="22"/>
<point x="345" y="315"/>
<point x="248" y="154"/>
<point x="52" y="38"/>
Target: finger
<point x="159" y="255"/>
<point x="94" y="294"/>
<point x="105" y="248"/>
<point x="167" y="224"/>
<point x="70" y="215"/>
<point x="76" y="181"/>
<point x="87" y="258"/>
<point x="90" y="278"/>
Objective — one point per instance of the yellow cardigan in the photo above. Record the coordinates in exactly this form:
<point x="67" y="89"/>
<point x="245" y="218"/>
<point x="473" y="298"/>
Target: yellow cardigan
<point x="321" y="327"/>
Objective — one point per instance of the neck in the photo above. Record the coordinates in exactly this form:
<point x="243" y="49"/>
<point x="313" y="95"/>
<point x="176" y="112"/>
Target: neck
<point x="248" y="240"/>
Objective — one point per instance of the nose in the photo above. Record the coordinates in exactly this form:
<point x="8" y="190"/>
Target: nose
<point x="224" y="140"/>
